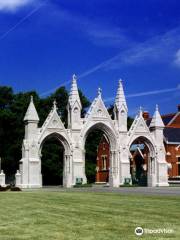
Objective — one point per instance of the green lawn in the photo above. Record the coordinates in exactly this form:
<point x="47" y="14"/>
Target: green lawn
<point x="80" y="215"/>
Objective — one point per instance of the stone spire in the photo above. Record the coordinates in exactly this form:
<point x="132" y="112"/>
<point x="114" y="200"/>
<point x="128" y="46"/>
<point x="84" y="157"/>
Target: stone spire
<point x="140" y="111"/>
<point x="120" y="97"/>
<point x="99" y="92"/>
<point x="74" y="94"/>
<point x="54" y="108"/>
<point x="156" y="121"/>
<point x="31" y="114"/>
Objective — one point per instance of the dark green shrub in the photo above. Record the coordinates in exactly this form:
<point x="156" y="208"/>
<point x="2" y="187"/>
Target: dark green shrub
<point x="15" y="189"/>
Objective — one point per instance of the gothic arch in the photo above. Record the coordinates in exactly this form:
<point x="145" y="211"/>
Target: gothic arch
<point x="67" y="156"/>
<point x="59" y="136"/>
<point x="150" y="161"/>
<point x="104" y="127"/>
<point x="147" y="140"/>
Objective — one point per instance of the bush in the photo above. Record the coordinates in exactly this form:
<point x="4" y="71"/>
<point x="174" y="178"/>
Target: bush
<point x="15" y="189"/>
<point x="9" y="188"/>
<point x="4" y="189"/>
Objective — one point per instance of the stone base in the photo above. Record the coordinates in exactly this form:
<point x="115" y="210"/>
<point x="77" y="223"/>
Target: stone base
<point x="29" y="186"/>
<point x="162" y="185"/>
<point x="2" y="179"/>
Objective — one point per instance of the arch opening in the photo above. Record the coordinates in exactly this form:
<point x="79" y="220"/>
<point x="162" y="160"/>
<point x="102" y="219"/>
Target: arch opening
<point x="141" y="161"/>
<point x="52" y="152"/>
<point x="98" y="144"/>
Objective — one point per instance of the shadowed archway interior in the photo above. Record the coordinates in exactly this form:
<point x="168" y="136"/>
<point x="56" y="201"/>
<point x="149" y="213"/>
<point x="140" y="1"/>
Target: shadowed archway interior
<point x="140" y="161"/>
<point x="91" y="145"/>
<point x="52" y="155"/>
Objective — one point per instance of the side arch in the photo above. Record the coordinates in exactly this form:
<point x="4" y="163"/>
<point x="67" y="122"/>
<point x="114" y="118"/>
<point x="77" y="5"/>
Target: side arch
<point x="148" y="158"/>
<point x="60" y="137"/>
<point x="147" y="140"/>
<point x="67" y="156"/>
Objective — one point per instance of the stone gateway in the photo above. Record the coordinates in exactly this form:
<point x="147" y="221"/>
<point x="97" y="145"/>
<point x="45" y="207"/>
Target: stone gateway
<point x="73" y="140"/>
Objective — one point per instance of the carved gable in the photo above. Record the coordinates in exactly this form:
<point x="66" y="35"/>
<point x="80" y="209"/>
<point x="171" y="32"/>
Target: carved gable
<point x="55" y="121"/>
<point x="98" y="110"/>
<point x="139" y="126"/>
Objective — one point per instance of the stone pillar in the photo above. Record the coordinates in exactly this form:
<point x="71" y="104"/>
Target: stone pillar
<point x="124" y="164"/>
<point x="78" y="163"/>
<point x="30" y="165"/>
<point x="67" y="173"/>
<point x="2" y="179"/>
<point x="151" y="177"/>
<point x="114" y="170"/>
<point x="162" y="169"/>
<point x="18" y="179"/>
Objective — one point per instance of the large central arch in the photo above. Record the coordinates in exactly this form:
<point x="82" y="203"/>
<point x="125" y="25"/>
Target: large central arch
<point x="108" y="131"/>
<point x="112" y="138"/>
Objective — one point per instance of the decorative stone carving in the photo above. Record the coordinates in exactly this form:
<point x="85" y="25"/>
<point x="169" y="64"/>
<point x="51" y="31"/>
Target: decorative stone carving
<point x="73" y="140"/>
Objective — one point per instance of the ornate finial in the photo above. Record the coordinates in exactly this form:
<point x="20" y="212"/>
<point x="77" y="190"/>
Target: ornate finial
<point x="54" y="104"/>
<point x="99" y="92"/>
<point x="120" y="81"/>
<point x="74" y="77"/>
<point x="140" y="111"/>
<point x="157" y="107"/>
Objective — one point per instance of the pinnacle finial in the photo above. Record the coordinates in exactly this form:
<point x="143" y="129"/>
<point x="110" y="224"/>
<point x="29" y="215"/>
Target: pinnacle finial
<point x="120" y="96"/>
<point x="99" y="92"/>
<point x="54" y="104"/>
<point x="157" y="119"/>
<point x="157" y="107"/>
<point x="74" y="94"/>
<point x="74" y="77"/>
<point x="31" y="113"/>
<point x="140" y="111"/>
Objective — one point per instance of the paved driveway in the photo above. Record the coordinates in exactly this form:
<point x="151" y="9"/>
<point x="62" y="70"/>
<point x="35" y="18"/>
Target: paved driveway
<point x="167" y="191"/>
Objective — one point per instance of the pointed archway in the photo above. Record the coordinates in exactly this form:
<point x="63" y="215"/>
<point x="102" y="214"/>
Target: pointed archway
<point x="64" y="159"/>
<point x="142" y="157"/>
<point x="52" y="156"/>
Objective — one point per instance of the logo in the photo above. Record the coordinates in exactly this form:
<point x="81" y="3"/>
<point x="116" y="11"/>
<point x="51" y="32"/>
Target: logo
<point x="139" y="231"/>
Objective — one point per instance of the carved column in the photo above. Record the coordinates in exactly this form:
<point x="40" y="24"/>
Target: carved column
<point x="113" y="175"/>
<point x="67" y="173"/>
<point x="124" y="164"/>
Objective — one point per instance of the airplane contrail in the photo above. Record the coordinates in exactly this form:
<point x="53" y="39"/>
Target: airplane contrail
<point x="22" y="20"/>
<point x="99" y="66"/>
<point x="54" y="89"/>
<point x="84" y="74"/>
<point x="141" y="94"/>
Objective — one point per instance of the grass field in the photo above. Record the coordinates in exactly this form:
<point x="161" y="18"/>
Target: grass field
<point x="80" y="215"/>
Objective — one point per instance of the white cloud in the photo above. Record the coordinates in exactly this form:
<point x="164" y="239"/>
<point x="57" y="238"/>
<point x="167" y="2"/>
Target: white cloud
<point x="13" y="5"/>
<point x="177" y="58"/>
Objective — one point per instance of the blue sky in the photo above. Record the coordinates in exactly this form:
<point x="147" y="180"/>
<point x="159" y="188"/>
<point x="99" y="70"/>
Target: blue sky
<point x="42" y="43"/>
